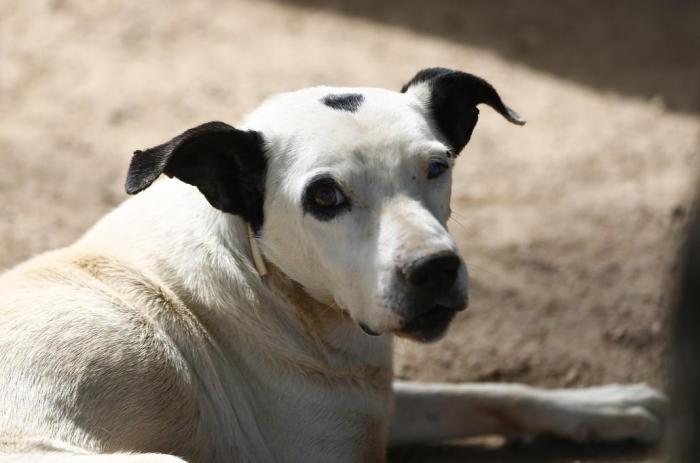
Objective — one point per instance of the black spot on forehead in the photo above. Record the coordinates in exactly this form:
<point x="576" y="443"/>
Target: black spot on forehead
<point x="350" y="102"/>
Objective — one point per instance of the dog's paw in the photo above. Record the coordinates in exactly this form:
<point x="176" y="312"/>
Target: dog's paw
<point x="611" y="413"/>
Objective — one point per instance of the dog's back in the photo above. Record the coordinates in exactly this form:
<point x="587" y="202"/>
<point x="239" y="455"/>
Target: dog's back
<point x="98" y="355"/>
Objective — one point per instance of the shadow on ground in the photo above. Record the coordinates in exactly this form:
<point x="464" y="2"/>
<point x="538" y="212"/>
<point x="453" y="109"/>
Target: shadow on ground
<point x="644" y="48"/>
<point x="541" y="451"/>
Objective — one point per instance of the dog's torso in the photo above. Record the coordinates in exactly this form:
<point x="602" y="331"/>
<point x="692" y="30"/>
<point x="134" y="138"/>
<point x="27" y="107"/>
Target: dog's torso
<point x="200" y="368"/>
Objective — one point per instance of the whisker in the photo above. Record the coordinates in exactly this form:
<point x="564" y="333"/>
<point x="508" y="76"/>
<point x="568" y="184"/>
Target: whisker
<point x="484" y="270"/>
<point x="458" y="223"/>
<point x="471" y="265"/>
<point x="452" y="211"/>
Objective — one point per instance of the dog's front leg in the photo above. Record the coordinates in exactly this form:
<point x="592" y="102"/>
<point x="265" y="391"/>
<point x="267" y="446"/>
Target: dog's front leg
<point x="429" y="412"/>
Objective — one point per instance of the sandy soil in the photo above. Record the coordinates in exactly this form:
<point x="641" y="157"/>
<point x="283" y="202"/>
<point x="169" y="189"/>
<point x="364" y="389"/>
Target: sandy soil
<point x="570" y="224"/>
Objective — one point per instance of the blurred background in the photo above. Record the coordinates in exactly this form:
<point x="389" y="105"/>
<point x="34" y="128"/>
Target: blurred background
<point x="570" y="224"/>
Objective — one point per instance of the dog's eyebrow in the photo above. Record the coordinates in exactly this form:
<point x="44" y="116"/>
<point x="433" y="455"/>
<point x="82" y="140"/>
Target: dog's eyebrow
<point x="350" y="102"/>
<point x="434" y="148"/>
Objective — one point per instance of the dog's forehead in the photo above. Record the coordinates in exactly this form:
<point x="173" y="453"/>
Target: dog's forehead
<point x="342" y="116"/>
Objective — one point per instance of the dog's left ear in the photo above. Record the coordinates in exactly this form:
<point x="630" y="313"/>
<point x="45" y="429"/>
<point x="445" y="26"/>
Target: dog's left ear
<point x="451" y="98"/>
<point x="226" y="164"/>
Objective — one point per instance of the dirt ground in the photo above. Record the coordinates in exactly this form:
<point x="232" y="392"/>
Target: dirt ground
<point x="569" y="224"/>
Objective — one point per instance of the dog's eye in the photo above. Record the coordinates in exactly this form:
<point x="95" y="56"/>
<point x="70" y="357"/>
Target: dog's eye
<point x="324" y="199"/>
<point x="436" y="169"/>
<point x="328" y="196"/>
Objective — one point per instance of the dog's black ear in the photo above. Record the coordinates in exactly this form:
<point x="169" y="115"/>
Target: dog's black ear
<point x="451" y="97"/>
<point x="226" y="164"/>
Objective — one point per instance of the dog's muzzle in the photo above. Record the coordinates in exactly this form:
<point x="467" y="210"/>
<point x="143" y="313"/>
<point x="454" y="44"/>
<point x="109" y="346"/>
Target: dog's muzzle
<point x="433" y="296"/>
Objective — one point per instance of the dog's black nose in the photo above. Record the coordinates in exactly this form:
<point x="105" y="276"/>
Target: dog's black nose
<point x="432" y="295"/>
<point x="434" y="274"/>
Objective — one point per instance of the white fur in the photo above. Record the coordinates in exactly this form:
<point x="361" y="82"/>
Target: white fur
<point x="154" y="332"/>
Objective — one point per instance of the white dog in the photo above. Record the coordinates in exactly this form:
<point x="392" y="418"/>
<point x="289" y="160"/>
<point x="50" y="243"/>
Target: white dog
<point x="244" y="310"/>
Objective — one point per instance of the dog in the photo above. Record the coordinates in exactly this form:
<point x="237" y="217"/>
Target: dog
<point x="244" y="308"/>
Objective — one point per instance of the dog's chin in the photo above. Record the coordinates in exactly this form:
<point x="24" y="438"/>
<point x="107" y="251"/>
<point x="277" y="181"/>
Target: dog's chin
<point x="429" y="327"/>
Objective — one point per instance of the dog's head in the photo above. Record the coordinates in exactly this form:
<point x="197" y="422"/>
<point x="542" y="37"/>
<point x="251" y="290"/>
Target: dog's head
<point x="348" y="191"/>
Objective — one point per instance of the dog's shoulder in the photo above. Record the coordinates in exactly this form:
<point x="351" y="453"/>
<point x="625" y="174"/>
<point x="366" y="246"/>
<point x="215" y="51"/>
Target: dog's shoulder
<point x="94" y="331"/>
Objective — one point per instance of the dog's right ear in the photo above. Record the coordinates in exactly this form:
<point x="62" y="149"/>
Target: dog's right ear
<point x="226" y="164"/>
<point x="451" y="98"/>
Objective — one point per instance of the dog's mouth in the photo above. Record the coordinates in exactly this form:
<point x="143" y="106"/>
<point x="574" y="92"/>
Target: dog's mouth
<point x="428" y="327"/>
<point x="368" y="330"/>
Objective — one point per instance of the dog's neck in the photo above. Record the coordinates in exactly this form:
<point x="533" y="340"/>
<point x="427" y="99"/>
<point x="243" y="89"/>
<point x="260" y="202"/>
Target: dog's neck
<point x="330" y="330"/>
<point x="335" y="347"/>
<point x="205" y="257"/>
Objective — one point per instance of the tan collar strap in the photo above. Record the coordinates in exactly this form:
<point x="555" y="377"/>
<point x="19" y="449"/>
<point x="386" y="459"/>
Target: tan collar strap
<point x="258" y="258"/>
